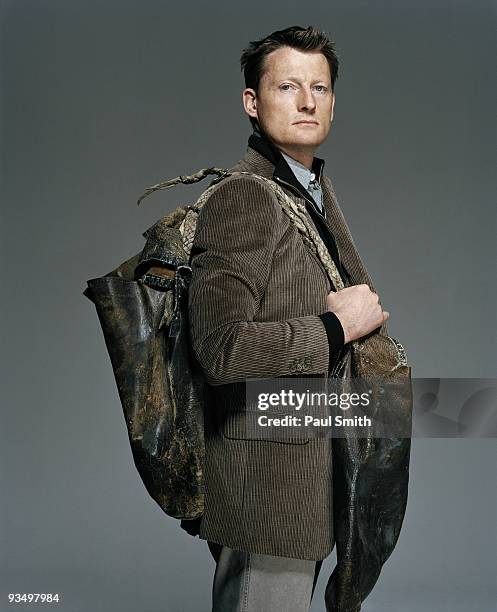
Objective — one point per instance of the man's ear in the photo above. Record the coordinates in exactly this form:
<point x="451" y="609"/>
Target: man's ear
<point x="332" y="106"/>
<point x="250" y="102"/>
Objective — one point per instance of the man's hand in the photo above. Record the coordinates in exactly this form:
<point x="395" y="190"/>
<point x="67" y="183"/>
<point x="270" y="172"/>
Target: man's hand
<point x="358" y="310"/>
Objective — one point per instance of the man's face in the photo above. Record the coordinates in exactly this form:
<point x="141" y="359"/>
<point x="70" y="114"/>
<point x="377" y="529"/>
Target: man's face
<point x="294" y="104"/>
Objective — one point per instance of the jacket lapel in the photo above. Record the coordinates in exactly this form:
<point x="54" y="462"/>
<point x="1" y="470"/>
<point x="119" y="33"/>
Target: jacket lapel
<point x="263" y="161"/>
<point x="255" y="162"/>
<point x="338" y="226"/>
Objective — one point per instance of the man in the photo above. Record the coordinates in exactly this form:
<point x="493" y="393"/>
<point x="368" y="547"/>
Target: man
<point x="261" y="305"/>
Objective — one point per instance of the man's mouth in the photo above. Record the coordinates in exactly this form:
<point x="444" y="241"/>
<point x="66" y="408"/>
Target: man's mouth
<point x="307" y="122"/>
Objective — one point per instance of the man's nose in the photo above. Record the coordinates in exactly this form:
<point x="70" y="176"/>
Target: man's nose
<point x="306" y="99"/>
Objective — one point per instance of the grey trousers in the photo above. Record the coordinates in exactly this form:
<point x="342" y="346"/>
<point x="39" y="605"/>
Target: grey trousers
<point x="248" y="582"/>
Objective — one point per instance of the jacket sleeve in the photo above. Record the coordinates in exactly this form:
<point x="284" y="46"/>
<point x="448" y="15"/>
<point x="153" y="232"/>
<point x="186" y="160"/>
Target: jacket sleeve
<point x="237" y="233"/>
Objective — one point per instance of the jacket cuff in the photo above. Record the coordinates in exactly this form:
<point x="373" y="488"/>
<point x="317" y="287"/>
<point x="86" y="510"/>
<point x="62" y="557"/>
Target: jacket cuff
<point x="336" y="337"/>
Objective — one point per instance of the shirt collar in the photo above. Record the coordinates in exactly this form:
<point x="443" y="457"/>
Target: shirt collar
<point x="281" y="169"/>
<point x="303" y="174"/>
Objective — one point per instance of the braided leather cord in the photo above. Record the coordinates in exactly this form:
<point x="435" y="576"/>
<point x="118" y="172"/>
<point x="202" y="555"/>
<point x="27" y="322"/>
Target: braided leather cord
<point x="295" y="211"/>
<point x="298" y="215"/>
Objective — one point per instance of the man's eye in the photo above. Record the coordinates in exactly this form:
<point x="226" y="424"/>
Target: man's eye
<point x="320" y="87"/>
<point x="285" y="87"/>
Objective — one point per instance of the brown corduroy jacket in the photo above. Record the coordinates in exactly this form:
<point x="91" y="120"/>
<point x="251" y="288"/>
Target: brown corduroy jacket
<point x="255" y="297"/>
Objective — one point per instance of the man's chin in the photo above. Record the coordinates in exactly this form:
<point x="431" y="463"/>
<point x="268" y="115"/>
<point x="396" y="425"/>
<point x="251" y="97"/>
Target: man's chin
<point x="307" y="137"/>
<point x="305" y="143"/>
<point x="298" y="140"/>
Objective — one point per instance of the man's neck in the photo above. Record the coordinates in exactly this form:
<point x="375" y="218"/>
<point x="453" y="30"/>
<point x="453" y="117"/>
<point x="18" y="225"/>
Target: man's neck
<point x="263" y="145"/>
<point x="302" y="155"/>
<point x="305" y="157"/>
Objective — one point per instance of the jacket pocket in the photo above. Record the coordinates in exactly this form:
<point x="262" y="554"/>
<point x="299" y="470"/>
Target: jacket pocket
<point x="255" y="425"/>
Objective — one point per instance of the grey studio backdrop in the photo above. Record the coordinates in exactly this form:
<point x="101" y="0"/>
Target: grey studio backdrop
<point x="101" y="99"/>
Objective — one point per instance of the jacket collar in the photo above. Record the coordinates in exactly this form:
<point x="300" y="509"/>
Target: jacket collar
<point x="260" y="143"/>
<point x="263" y="158"/>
